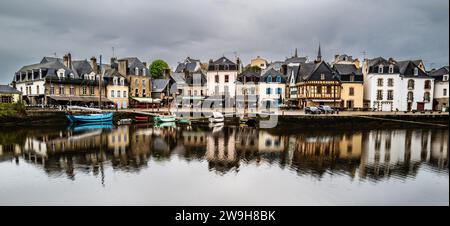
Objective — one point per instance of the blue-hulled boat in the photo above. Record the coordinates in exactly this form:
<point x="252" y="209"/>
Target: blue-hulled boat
<point x="101" y="117"/>
<point x="90" y="126"/>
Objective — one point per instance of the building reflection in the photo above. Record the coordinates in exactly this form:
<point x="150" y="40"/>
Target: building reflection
<point x="373" y="155"/>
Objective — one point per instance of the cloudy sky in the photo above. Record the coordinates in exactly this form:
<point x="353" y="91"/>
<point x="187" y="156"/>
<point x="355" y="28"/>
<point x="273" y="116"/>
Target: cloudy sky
<point x="205" y="29"/>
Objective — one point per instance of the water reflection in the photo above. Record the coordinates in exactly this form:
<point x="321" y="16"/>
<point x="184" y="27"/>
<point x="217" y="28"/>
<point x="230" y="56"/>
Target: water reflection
<point x="367" y="155"/>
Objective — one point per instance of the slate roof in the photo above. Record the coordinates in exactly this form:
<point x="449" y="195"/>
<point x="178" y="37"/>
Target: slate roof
<point x="274" y="73"/>
<point x="252" y="76"/>
<point x="292" y="71"/>
<point x="312" y="72"/>
<point x="6" y="89"/>
<point x="82" y="67"/>
<point x="178" y="77"/>
<point x="188" y="64"/>
<point x="406" y="69"/>
<point x="346" y="70"/>
<point x="134" y="62"/>
<point x="439" y="73"/>
<point x="158" y="85"/>
<point x="223" y="61"/>
<point x="297" y="60"/>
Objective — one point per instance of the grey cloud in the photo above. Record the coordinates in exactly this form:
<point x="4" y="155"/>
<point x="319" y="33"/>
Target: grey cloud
<point x="174" y="29"/>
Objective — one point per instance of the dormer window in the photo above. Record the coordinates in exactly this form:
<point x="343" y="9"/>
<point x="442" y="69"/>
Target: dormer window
<point x="143" y="72"/>
<point x="445" y="78"/>
<point x="352" y="78"/>
<point x="122" y="82"/>
<point x="269" y="78"/>
<point x="322" y="76"/>
<point x="391" y="69"/>
<point x="226" y="66"/>
<point x="278" y="79"/>
<point x="380" y="69"/>
<point x="136" y="71"/>
<point x="416" y="71"/>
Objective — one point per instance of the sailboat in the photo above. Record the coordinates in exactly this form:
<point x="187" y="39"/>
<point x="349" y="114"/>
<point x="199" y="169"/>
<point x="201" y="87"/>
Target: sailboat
<point x="95" y="117"/>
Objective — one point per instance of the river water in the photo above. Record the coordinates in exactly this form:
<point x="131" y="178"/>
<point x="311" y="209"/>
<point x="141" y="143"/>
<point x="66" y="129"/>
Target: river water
<point x="224" y="165"/>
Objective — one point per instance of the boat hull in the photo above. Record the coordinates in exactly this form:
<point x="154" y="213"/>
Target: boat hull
<point x="105" y="117"/>
<point x="165" y="119"/>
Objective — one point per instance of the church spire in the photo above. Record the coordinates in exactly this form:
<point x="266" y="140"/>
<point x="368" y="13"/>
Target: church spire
<point x="319" y="55"/>
<point x="295" y="54"/>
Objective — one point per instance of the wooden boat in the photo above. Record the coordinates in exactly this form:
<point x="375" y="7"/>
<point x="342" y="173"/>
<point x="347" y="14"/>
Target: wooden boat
<point x="125" y="121"/>
<point x="101" y="117"/>
<point x="216" y="117"/>
<point x="164" y="118"/>
<point x="141" y="118"/>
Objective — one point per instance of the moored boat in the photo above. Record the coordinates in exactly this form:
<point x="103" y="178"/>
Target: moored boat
<point x="100" y="117"/>
<point x="165" y="118"/>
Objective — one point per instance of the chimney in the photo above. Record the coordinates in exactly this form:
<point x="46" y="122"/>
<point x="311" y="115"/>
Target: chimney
<point x="145" y="64"/>
<point x="284" y="69"/>
<point x="238" y="62"/>
<point x="66" y="60"/>
<point x="70" y="60"/>
<point x="94" y="65"/>
<point x="123" y="65"/>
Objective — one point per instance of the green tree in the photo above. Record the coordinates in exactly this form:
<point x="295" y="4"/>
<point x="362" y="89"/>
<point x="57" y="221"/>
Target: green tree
<point x="157" y="68"/>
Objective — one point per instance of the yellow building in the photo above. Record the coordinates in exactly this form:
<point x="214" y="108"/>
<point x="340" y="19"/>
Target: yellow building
<point x="260" y="62"/>
<point x="352" y="91"/>
<point x="116" y="88"/>
<point x="9" y="94"/>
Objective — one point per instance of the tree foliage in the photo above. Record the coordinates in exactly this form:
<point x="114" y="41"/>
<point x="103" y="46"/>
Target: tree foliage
<point x="157" y="68"/>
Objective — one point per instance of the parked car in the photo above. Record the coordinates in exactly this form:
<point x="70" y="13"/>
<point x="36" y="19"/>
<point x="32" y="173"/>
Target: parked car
<point x="312" y="110"/>
<point x="326" y="109"/>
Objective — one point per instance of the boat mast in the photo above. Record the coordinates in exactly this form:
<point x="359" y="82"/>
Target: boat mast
<point x="100" y="83"/>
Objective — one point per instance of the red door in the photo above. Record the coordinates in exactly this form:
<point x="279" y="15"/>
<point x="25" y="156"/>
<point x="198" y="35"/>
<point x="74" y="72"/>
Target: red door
<point x="420" y="106"/>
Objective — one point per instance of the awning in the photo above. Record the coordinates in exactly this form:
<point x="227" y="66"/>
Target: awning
<point x="79" y="98"/>
<point x="326" y="100"/>
<point x="147" y="100"/>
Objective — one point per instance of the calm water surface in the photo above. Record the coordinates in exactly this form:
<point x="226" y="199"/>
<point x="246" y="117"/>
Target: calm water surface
<point x="143" y="165"/>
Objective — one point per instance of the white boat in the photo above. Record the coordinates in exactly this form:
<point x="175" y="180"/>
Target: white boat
<point x="216" y="117"/>
<point x="125" y="121"/>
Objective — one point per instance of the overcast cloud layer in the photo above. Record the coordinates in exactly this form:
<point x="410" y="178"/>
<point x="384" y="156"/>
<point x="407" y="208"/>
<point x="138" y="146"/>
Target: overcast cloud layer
<point x="174" y="29"/>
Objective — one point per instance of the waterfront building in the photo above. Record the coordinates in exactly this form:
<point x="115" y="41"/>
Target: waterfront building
<point x="259" y="62"/>
<point x="247" y="91"/>
<point x="117" y="89"/>
<point x="221" y="77"/>
<point x="441" y="88"/>
<point x="272" y="85"/>
<point x="391" y="85"/>
<point x="352" y="85"/>
<point x="138" y="77"/>
<point x="194" y="92"/>
<point x="318" y="84"/>
<point x="9" y="94"/>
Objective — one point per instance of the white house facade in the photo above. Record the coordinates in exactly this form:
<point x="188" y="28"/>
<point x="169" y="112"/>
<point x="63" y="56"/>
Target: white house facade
<point x="272" y="88"/>
<point x="221" y="77"/>
<point x="391" y="85"/>
<point x="441" y="88"/>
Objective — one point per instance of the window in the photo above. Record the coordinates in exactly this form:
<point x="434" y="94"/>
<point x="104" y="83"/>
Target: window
<point x="143" y="93"/>
<point x="190" y="93"/>
<point x="72" y="90"/>
<point x="124" y="93"/>
<point x="195" y="92"/>
<point x="445" y="78"/>
<point x="278" y="79"/>
<point x="143" y="83"/>
<point x="410" y="96"/>
<point x="143" y="72"/>
<point x="426" y="97"/>
<point x="122" y="82"/>
<point x="136" y="82"/>
<point x="391" y="69"/>
<point x="201" y="92"/>
<point x="352" y="78"/>
<point x="37" y="89"/>
<point x="217" y="78"/>
<point x="319" y="89"/>
<point x="268" y="91"/>
<point x="379" y="94"/>
<point x="112" y="93"/>
<point x="380" y="69"/>
<point x="84" y="90"/>
<point x="52" y="90"/>
<point x="227" y="77"/>
<point x="118" y="93"/>
<point x="322" y="76"/>
<point x="390" y="82"/>
<point x="269" y="78"/>
<point x="328" y="89"/>
<point x="115" y="81"/>
<point x="444" y="92"/>
<point x="427" y="84"/>
<point x="390" y="95"/>
<point x="226" y="66"/>
<point x="91" y="89"/>
<point x="279" y="91"/>
<point x="410" y="84"/>
<point x="416" y="71"/>
<point x="136" y="71"/>
<point x="351" y="91"/>
<point x="136" y="93"/>
<point x="380" y="82"/>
